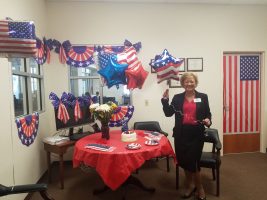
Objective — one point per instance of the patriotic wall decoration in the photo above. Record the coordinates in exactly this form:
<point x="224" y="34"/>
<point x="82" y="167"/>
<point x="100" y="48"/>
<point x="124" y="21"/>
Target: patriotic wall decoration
<point x="28" y="128"/>
<point x="68" y="100"/>
<point x="166" y="66"/>
<point x="117" y="64"/>
<point x="43" y="51"/>
<point x="121" y="116"/>
<point x="80" y="56"/>
<point x="17" y="38"/>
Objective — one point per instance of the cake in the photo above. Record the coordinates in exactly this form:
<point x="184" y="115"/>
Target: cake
<point x="128" y="136"/>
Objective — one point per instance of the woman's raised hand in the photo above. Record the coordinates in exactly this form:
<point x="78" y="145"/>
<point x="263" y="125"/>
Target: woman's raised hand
<point x="166" y="94"/>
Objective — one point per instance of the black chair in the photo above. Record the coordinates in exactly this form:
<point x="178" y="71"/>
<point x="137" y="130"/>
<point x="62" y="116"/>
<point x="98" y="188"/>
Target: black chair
<point x="152" y="126"/>
<point x="210" y="159"/>
<point x="149" y="126"/>
<point x="41" y="188"/>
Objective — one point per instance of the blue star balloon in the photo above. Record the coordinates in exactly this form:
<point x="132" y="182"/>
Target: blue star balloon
<point x="114" y="73"/>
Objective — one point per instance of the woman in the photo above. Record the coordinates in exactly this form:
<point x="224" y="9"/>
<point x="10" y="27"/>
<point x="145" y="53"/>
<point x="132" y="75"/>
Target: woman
<point x="192" y="114"/>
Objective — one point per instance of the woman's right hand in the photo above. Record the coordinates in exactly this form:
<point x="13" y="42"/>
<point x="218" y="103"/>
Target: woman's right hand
<point x="166" y="94"/>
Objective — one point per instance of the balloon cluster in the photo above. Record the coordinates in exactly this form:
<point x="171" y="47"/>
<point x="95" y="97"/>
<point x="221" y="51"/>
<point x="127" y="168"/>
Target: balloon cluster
<point x="122" y="68"/>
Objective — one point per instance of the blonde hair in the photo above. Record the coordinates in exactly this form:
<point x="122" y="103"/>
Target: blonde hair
<point x="187" y="75"/>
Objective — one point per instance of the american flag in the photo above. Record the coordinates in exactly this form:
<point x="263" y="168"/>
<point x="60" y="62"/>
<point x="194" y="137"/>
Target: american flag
<point x="241" y="93"/>
<point x="99" y="147"/>
<point x="17" y="38"/>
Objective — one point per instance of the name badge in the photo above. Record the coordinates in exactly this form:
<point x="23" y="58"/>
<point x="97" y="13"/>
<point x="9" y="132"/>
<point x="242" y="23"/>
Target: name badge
<point x="197" y="100"/>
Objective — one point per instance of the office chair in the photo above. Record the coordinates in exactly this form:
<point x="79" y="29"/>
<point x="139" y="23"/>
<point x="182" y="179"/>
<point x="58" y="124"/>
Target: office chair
<point x="17" y="189"/>
<point x="152" y="126"/>
<point x="210" y="159"/>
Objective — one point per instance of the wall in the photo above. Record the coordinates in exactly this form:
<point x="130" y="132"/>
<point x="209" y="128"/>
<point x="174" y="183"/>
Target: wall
<point x="19" y="164"/>
<point x="185" y="30"/>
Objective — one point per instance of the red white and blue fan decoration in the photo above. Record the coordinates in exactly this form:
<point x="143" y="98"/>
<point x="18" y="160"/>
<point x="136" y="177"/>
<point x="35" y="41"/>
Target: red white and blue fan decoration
<point x="28" y="128"/>
<point x="80" y="56"/>
<point x="121" y="116"/>
<point x="166" y="66"/>
<point x="43" y="51"/>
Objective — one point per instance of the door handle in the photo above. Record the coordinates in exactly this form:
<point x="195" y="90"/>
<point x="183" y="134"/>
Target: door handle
<point x="226" y="108"/>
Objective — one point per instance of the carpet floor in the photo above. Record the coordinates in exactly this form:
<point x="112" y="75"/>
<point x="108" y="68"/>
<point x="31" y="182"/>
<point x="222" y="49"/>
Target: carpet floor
<point x="243" y="177"/>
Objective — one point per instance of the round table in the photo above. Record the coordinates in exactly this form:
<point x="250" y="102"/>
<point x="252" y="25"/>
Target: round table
<point x="116" y="167"/>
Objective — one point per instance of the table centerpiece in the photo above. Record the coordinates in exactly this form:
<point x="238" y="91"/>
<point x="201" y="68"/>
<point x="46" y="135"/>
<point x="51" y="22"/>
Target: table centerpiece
<point x="103" y="113"/>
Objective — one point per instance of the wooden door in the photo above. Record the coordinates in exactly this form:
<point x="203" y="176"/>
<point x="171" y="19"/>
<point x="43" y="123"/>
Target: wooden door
<point x="241" y="109"/>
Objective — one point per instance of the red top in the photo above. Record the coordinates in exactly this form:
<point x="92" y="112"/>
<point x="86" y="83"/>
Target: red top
<point x="116" y="166"/>
<point x="189" y="110"/>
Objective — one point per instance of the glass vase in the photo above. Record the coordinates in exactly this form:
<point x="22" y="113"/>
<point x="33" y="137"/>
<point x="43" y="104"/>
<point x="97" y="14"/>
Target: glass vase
<point x="105" y="131"/>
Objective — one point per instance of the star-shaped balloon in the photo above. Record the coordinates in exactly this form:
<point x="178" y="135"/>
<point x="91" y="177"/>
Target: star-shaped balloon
<point x="136" y="76"/>
<point x="114" y="73"/>
<point x="166" y="66"/>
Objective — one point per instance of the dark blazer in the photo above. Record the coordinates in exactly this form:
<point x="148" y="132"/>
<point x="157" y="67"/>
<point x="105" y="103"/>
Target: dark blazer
<point x="176" y="107"/>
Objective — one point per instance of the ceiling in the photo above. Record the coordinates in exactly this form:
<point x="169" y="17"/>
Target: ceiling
<point x="248" y="2"/>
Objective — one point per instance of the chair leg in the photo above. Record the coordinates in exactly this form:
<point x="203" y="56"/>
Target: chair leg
<point x="213" y="173"/>
<point x="168" y="163"/>
<point x="218" y="181"/>
<point x="177" y="176"/>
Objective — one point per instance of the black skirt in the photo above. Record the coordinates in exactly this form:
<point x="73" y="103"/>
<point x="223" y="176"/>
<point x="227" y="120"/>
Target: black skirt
<point x="188" y="147"/>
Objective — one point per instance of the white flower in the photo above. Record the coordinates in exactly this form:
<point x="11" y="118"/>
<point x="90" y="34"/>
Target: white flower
<point x="103" y="107"/>
<point x="94" y="106"/>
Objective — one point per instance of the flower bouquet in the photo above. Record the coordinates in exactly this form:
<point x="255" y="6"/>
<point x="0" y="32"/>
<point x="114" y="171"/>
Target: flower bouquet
<point x="103" y="113"/>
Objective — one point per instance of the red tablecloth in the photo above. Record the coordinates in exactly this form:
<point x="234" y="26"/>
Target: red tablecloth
<point x="116" y="166"/>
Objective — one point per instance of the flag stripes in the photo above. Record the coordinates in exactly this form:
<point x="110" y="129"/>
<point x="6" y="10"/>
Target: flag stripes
<point x="17" y="38"/>
<point x="241" y="97"/>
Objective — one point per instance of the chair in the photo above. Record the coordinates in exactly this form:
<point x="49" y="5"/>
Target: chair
<point x="213" y="159"/>
<point x="210" y="159"/>
<point x="152" y="126"/>
<point x="4" y="190"/>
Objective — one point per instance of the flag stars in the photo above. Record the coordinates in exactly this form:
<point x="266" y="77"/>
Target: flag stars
<point x="249" y="67"/>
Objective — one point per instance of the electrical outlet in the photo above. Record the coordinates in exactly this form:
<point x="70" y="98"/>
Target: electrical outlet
<point x="146" y="102"/>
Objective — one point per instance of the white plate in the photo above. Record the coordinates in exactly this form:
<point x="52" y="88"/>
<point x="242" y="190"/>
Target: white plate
<point x="151" y="142"/>
<point x="133" y="146"/>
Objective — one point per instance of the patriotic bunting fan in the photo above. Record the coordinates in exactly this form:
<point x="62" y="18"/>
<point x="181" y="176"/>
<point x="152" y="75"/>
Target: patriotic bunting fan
<point x="121" y="116"/>
<point x="80" y="56"/>
<point x="166" y="66"/>
<point x="43" y="52"/>
<point x="27" y="128"/>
